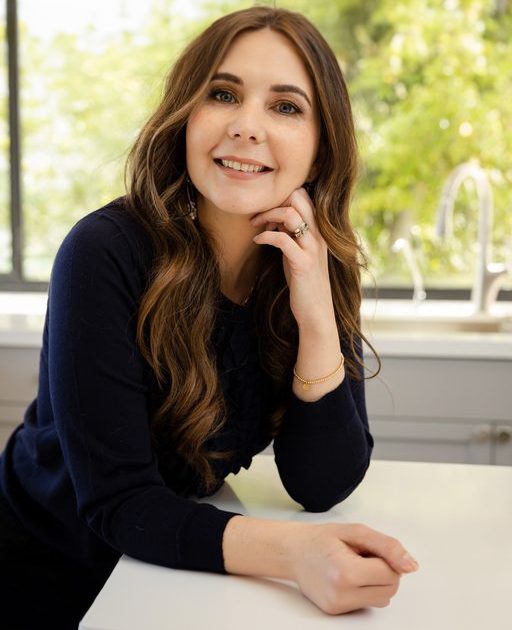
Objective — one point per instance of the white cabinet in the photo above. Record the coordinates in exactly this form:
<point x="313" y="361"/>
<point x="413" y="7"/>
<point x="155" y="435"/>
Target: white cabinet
<point x="19" y="370"/>
<point x="502" y="441"/>
<point x="420" y="409"/>
<point x="432" y="441"/>
<point x="443" y="410"/>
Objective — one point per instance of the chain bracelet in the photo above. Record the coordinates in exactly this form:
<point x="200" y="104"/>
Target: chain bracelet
<point x="307" y="383"/>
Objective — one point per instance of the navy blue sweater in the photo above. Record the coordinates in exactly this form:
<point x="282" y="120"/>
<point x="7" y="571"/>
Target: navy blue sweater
<point x="80" y="472"/>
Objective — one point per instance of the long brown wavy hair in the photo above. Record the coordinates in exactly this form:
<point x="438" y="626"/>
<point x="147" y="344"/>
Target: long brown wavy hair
<point x="178" y="309"/>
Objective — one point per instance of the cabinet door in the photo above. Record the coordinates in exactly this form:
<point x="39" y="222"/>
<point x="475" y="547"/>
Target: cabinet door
<point x="502" y="443"/>
<point x="432" y="440"/>
<point x="10" y="417"/>
<point x="19" y="373"/>
<point x="411" y="387"/>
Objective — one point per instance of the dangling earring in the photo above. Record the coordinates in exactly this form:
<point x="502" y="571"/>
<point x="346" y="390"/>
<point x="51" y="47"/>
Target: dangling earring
<point x="191" y="204"/>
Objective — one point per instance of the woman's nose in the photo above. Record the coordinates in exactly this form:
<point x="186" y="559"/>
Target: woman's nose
<point x="247" y="124"/>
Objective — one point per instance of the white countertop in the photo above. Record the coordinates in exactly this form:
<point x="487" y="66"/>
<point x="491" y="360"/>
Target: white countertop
<point x="22" y="320"/>
<point x="456" y="519"/>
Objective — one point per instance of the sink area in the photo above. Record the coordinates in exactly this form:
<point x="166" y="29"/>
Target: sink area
<point x="434" y="316"/>
<point x="440" y="324"/>
<point x="438" y="328"/>
<point x="397" y="328"/>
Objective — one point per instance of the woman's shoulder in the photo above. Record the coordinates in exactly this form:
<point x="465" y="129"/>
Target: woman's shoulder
<point x="105" y="254"/>
<point x="109" y="230"/>
<point x="109" y="221"/>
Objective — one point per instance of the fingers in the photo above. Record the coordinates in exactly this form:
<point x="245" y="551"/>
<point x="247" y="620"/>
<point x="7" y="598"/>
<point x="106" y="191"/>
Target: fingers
<point x="375" y="596"/>
<point x="352" y="597"/>
<point x="333" y="572"/>
<point x="370" y="571"/>
<point x="362" y="583"/>
<point x="294" y="210"/>
<point x="302" y="201"/>
<point x="373" y="572"/>
<point x="287" y="217"/>
<point x="364" y="539"/>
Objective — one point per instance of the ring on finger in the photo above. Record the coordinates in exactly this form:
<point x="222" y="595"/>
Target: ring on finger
<point x="301" y="230"/>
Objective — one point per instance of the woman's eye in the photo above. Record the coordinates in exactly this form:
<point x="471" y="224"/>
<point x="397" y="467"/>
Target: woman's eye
<point x="215" y="93"/>
<point x="296" y="109"/>
<point x="218" y="96"/>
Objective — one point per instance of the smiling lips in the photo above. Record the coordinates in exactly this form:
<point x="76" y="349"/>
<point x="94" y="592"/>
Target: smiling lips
<point x="242" y="162"/>
<point x="234" y="171"/>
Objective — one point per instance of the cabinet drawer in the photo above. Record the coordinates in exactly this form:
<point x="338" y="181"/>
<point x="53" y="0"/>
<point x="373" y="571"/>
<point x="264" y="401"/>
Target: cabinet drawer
<point x="19" y="372"/>
<point x="426" y="440"/>
<point x="441" y="388"/>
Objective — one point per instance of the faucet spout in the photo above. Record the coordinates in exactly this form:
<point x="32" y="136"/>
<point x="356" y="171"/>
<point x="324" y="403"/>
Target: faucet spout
<point x="486" y="280"/>
<point x="404" y="246"/>
<point x="495" y="273"/>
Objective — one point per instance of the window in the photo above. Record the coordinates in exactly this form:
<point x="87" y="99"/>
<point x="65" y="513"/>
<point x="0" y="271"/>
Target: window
<point x="430" y="82"/>
<point x="5" y="227"/>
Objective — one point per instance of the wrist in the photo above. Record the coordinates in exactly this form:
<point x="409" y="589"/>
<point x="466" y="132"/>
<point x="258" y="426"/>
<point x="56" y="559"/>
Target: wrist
<point x="320" y="314"/>
<point x="296" y="544"/>
<point x="321" y="326"/>
<point x="262" y="547"/>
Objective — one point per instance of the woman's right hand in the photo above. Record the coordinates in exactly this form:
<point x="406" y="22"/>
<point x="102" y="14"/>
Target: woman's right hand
<point x="346" y="566"/>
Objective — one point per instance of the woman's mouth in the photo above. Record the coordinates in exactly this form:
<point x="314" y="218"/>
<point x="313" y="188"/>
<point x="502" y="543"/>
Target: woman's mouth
<point x="236" y="173"/>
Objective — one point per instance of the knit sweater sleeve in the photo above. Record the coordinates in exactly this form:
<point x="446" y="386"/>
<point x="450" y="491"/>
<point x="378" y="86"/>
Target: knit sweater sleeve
<point x="324" y="447"/>
<point x="98" y="390"/>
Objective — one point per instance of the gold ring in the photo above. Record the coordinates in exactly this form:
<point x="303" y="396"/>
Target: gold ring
<point x="301" y="230"/>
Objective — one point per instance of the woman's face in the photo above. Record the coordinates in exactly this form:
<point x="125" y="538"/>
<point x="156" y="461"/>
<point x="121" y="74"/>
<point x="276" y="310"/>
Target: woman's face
<point x="264" y="111"/>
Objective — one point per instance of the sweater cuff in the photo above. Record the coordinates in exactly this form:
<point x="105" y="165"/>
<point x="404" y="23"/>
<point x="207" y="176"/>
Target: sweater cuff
<point x="324" y="412"/>
<point x="199" y="539"/>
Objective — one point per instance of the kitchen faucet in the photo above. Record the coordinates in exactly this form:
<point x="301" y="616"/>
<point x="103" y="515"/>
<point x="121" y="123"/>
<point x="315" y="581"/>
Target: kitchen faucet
<point x="488" y="276"/>
<point x="400" y="243"/>
<point x="404" y="246"/>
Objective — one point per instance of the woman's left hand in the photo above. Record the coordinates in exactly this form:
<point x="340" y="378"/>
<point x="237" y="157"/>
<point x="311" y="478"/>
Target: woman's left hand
<point x="305" y="259"/>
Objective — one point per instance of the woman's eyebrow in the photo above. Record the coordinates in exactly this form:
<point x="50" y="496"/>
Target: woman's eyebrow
<point x="227" y="76"/>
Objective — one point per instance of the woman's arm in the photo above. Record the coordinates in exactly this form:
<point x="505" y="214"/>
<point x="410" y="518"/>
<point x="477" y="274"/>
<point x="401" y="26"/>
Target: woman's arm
<point x="324" y="446"/>
<point x="319" y="354"/>
<point x="99" y="387"/>
<point x="324" y="560"/>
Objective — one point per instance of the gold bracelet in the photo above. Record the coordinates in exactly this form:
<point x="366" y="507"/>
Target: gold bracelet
<point x="307" y="384"/>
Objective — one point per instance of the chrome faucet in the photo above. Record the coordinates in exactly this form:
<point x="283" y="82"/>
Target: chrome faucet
<point x="400" y="243"/>
<point x="488" y="276"/>
<point x="404" y="246"/>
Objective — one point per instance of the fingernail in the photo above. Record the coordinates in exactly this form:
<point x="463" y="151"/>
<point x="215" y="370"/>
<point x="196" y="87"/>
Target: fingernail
<point x="409" y="563"/>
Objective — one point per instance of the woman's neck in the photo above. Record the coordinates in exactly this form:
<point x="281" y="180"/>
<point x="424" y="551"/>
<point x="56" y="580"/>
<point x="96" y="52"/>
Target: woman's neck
<point x="239" y="257"/>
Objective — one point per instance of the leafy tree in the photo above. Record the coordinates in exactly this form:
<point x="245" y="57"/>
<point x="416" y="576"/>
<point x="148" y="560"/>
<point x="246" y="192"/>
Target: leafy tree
<point x="431" y="86"/>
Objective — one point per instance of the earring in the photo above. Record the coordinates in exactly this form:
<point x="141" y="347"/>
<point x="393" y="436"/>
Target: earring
<point x="191" y="204"/>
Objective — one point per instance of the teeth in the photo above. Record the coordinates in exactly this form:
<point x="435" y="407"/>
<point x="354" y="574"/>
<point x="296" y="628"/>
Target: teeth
<point x="247" y="168"/>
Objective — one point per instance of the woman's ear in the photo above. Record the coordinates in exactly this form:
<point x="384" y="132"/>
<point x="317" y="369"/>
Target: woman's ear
<point x="313" y="172"/>
<point x="311" y="177"/>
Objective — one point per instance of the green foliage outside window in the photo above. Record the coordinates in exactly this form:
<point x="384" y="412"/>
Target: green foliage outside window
<point x="431" y="86"/>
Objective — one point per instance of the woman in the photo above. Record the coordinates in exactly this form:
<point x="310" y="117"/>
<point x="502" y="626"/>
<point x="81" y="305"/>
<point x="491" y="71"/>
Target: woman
<point x="213" y="308"/>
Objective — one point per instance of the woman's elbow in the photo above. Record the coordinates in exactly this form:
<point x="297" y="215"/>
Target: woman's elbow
<point x="325" y="499"/>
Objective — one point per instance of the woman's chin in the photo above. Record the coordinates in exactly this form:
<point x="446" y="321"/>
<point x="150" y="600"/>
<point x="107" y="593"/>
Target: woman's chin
<point x="247" y="207"/>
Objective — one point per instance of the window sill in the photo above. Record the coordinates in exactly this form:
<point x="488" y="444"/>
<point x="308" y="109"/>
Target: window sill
<point x="437" y="328"/>
<point x="22" y="318"/>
